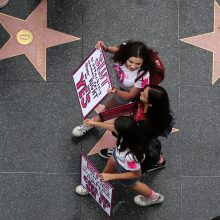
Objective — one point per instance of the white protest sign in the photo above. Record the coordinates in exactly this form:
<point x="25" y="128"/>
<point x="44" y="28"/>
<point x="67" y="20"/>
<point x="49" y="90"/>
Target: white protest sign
<point x="92" y="81"/>
<point x="101" y="191"/>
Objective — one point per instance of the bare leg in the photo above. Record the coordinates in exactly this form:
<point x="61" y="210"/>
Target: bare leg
<point x="141" y="189"/>
<point x="110" y="166"/>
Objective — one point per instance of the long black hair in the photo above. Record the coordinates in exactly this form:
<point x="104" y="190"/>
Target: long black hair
<point x="158" y="116"/>
<point x="134" y="49"/>
<point x="129" y="136"/>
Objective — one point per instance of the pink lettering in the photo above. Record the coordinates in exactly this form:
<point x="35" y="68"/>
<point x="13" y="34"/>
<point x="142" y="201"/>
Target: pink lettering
<point x="84" y="102"/>
<point x="91" y="189"/>
<point x="103" y="201"/>
<point x="81" y="82"/>
<point x="97" y="62"/>
<point x="85" y="178"/>
<point x="84" y="92"/>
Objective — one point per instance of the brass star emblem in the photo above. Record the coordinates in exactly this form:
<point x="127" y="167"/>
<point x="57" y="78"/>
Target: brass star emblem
<point x="31" y="37"/>
<point x="211" y="42"/>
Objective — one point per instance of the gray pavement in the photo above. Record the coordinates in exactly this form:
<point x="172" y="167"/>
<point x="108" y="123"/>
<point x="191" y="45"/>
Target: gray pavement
<point x="39" y="159"/>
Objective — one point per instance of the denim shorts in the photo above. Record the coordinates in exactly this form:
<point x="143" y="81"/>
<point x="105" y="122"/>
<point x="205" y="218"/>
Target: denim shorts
<point x="120" y="169"/>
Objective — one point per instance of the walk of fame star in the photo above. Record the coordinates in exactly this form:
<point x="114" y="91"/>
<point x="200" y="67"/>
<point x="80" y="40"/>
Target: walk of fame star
<point x="211" y="42"/>
<point x="31" y="37"/>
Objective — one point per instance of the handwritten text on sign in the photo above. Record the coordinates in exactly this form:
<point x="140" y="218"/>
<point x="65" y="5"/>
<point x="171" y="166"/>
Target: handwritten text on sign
<point x="92" y="81"/>
<point x="99" y="190"/>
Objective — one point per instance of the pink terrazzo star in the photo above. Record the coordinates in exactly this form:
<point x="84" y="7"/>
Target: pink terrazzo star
<point x="210" y="42"/>
<point x="38" y="37"/>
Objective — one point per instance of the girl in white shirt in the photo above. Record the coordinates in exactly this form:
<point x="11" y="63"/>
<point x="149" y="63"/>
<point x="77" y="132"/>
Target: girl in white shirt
<point x="132" y="61"/>
<point x="124" y="165"/>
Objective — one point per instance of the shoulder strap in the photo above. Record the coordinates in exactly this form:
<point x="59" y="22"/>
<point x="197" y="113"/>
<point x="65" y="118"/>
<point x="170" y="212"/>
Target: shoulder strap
<point x="158" y="71"/>
<point x="141" y="75"/>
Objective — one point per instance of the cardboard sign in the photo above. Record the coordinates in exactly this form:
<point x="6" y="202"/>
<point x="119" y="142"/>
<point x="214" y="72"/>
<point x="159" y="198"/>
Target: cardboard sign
<point x="101" y="191"/>
<point x="92" y="81"/>
<point x="115" y="112"/>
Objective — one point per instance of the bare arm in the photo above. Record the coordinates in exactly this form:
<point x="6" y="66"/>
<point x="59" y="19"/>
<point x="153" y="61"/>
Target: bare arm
<point x="110" y="49"/>
<point x="120" y="176"/>
<point x="105" y="125"/>
<point x="131" y="94"/>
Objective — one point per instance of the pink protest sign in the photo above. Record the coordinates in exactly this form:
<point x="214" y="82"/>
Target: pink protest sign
<point x="101" y="191"/>
<point x="92" y="81"/>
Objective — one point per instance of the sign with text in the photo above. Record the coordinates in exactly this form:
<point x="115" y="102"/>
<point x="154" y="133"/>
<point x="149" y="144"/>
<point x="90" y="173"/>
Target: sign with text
<point x="101" y="191"/>
<point x="92" y="81"/>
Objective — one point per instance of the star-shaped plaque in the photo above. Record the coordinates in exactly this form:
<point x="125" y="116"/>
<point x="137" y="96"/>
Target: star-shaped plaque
<point x="211" y="42"/>
<point x="31" y="37"/>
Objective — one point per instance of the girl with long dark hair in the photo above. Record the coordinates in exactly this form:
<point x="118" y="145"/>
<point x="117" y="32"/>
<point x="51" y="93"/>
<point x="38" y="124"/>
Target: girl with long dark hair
<point x="157" y="121"/>
<point x="156" y="108"/>
<point x="154" y="118"/>
<point x="124" y="164"/>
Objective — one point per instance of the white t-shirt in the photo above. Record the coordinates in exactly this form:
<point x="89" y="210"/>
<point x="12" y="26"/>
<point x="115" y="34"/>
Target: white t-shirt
<point x="126" y="78"/>
<point x="127" y="160"/>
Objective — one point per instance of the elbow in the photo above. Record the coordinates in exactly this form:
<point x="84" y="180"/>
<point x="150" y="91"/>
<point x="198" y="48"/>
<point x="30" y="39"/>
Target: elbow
<point x="138" y="173"/>
<point x="132" y="96"/>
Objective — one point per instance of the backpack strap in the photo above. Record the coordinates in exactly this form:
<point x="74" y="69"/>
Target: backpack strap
<point x="141" y="75"/>
<point x="158" y="71"/>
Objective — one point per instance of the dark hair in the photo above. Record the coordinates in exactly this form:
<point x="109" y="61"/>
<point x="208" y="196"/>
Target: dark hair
<point x="158" y="116"/>
<point x="128" y="132"/>
<point x="134" y="49"/>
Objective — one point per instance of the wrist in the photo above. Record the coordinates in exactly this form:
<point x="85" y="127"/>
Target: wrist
<point x="106" y="49"/>
<point x="116" y="90"/>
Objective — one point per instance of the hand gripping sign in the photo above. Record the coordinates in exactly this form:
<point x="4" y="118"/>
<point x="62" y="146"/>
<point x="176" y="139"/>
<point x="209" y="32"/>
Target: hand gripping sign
<point x="101" y="191"/>
<point x="92" y="81"/>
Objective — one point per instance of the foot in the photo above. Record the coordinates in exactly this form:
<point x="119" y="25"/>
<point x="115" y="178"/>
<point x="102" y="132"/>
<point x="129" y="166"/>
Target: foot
<point x="3" y="3"/>
<point x="146" y="201"/>
<point x="79" y="131"/>
<point x="106" y="153"/>
<point x="81" y="190"/>
<point x="157" y="166"/>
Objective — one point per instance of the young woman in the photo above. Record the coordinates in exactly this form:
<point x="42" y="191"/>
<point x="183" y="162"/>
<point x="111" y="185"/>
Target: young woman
<point x="131" y="60"/>
<point x="154" y="118"/>
<point x="158" y="122"/>
<point x="124" y="165"/>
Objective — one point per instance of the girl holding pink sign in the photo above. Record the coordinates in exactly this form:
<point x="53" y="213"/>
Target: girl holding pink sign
<point x="132" y="61"/>
<point x="124" y="165"/>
